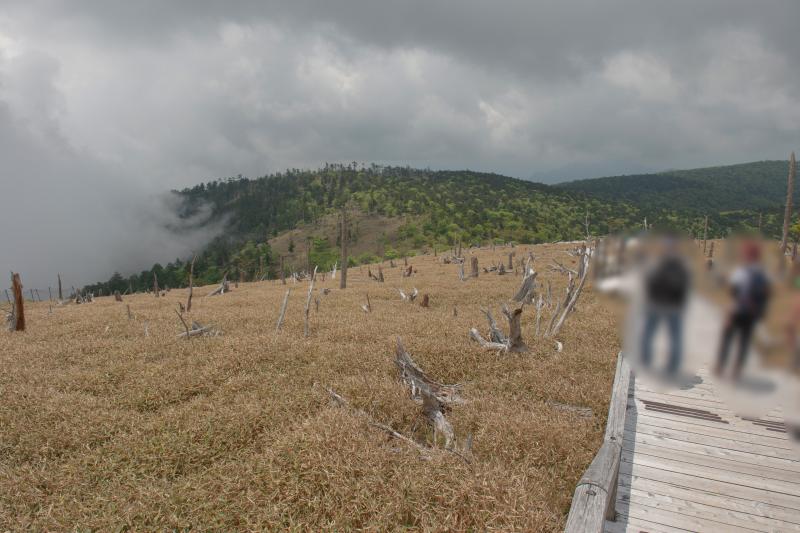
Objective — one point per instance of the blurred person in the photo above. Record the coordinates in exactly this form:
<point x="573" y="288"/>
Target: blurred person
<point x="666" y="282"/>
<point x="750" y="290"/>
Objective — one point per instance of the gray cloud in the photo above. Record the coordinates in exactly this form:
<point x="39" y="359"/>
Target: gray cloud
<point x="105" y="104"/>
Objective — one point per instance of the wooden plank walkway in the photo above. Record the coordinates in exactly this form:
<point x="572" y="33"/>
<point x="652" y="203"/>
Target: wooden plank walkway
<point x="691" y="462"/>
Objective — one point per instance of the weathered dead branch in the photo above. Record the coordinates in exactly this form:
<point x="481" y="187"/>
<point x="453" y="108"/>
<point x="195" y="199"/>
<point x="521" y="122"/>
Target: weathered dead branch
<point x="526" y="292"/>
<point x="283" y="310"/>
<point x="367" y="307"/>
<point x="573" y="293"/>
<point x="223" y="287"/>
<point x="495" y="333"/>
<point x="308" y="301"/>
<point x="583" y="412"/>
<point x="418" y="381"/>
<point x="199" y="330"/>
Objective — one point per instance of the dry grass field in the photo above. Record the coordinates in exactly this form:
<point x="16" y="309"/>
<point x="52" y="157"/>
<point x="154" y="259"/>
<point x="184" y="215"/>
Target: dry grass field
<point x="102" y="428"/>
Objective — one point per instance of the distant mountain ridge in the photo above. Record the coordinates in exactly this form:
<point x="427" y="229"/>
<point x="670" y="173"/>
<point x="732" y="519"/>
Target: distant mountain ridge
<point x="755" y="186"/>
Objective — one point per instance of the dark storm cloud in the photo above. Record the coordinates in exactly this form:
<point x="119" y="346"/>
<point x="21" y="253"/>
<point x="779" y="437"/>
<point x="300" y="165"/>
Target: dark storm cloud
<point x="127" y="99"/>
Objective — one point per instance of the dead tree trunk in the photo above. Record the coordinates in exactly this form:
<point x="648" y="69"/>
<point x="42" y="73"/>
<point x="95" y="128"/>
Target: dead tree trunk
<point x="283" y="273"/>
<point x="380" y="273"/>
<point x="283" y="311"/>
<point x="343" y="276"/>
<point x="60" y="295"/>
<point x="18" y="319"/>
<point x="525" y="294"/>
<point x="515" y="342"/>
<point x="569" y="303"/>
<point x="511" y="261"/>
<point x="787" y="215"/>
<point x="191" y="285"/>
<point x="308" y="301"/>
<point x="474" y="267"/>
<point x="155" y="284"/>
<point x="705" y="236"/>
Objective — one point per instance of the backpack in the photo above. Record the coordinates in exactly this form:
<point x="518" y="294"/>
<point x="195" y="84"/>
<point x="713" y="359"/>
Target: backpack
<point x="758" y="293"/>
<point x="668" y="283"/>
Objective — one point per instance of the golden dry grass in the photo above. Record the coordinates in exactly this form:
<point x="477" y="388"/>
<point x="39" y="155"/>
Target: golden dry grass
<point x="102" y="428"/>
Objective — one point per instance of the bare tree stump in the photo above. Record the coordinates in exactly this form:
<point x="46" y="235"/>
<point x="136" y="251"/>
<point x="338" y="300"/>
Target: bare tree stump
<point x="474" y="262"/>
<point x="60" y="294"/>
<point x="515" y="342"/>
<point x="18" y="316"/>
<point x="425" y="301"/>
<point x="525" y="294"/>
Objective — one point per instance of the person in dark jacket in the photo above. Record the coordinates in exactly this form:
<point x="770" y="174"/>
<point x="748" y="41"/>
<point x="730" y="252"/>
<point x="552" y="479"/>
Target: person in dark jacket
<point x="667" y="284"/>
<point x="750" y="291"/>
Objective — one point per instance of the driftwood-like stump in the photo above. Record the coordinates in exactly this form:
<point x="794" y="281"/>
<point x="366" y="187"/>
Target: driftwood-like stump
<point x="515" y="342"/>
<point x="525" y="294"/>
<point x="419" y="382"/>
<point x="18" y="316"/>
<point x="474" y="263"/>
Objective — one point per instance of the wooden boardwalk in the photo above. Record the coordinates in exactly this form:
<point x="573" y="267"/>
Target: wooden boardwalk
<point x="692" y="462"/>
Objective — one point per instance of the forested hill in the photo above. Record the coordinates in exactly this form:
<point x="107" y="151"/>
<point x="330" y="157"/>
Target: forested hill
<point x="395" y="211"/>
<point x="445" y="205"/>
<point x="757" y="186"/>
<point x="402" y="211"/>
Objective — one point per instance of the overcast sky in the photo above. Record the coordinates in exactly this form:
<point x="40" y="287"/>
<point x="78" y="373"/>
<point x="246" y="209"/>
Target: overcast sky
<point x="105" y="104"/>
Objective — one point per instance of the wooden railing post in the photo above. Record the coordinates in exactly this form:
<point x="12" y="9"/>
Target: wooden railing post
<point x="595" y="495"/>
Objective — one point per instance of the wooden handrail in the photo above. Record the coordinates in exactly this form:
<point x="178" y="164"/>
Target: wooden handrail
<point x="596" y="492"/>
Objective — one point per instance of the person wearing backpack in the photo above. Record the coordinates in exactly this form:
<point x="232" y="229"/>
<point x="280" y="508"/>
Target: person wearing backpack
<point x="667" y="284"/>
<point x="750" y="290"/>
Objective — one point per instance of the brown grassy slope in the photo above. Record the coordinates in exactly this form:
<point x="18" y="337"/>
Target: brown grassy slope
<point x="367" y="233"/>
<point x="101" y="427"/>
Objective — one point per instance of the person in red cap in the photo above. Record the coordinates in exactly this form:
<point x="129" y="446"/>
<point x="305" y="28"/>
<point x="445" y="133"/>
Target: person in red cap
<point x="750" y="290"/>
